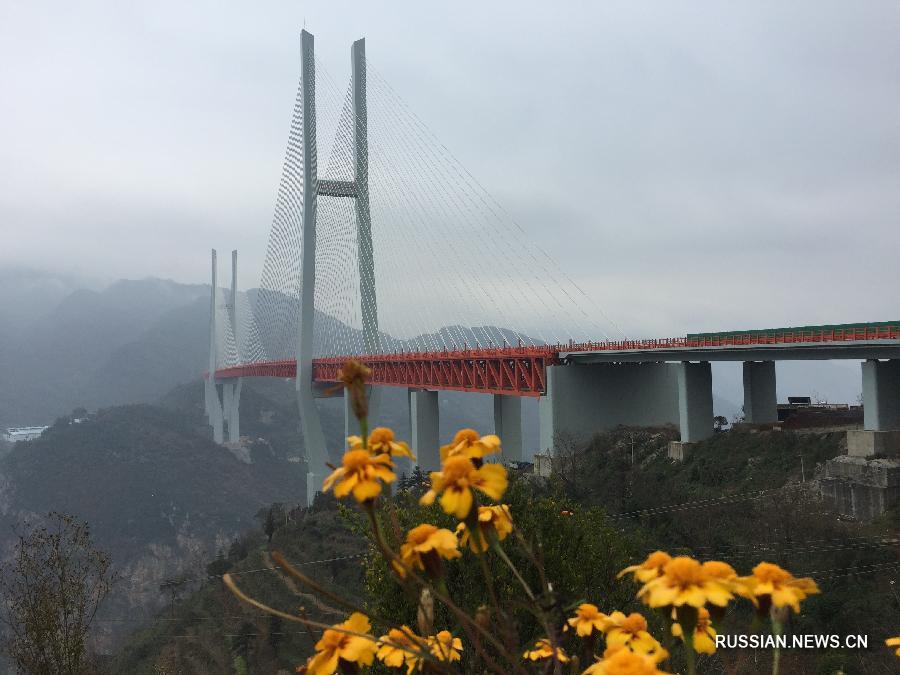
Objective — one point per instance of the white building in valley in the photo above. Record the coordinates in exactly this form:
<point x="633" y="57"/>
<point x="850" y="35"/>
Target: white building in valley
<point x="14" y="434"/>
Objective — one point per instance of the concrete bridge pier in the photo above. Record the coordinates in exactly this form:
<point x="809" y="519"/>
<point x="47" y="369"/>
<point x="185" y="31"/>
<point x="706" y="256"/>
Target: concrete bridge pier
<point x="881" y="411"/>
<point x="760" y="400"/>
<point x="695" y="407"/>
<point x="587" y="398"/>
<point x="231" y="400"/>
<point x="584" y="399"/>
<point x="508" y="426"/>
<point x="423" y="424"/>
<point x="214" y="413"/>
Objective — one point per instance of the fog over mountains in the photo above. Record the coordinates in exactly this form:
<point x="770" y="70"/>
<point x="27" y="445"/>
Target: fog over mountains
<point x="134" y="342"/>
<point x="67" y="342"/>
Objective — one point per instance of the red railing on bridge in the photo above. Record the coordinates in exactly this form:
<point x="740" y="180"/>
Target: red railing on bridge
<point x="522" y="371"/>
<point x="740" y="340"/>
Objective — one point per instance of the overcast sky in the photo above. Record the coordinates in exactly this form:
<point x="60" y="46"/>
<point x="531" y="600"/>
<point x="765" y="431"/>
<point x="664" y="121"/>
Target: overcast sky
<point x="692" y="165"/>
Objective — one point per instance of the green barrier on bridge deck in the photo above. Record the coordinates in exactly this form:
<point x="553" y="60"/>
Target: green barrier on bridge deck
<point x="796" y="329"/>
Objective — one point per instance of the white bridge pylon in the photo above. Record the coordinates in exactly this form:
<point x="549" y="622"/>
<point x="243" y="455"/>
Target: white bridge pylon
<point x="356" y="189"/>
<point x="454" y="269"/>
<point x="223" y="412"/>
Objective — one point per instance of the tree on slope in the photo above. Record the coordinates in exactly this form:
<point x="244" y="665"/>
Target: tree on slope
<point x="51" y="590"/>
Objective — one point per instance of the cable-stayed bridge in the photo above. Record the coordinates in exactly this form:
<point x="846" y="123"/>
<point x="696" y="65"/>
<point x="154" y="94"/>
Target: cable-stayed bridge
<point x="383" y="247"/>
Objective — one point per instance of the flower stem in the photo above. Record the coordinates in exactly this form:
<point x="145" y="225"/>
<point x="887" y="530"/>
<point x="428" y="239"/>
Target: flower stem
<point x="687" y="618"/>
<point x="777" y="630"/>
<point x="364" y="431"/>
<point x="500" y="552"/>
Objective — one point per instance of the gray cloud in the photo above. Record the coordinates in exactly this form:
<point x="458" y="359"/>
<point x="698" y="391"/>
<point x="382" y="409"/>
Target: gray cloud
<point x="701" y="166"/>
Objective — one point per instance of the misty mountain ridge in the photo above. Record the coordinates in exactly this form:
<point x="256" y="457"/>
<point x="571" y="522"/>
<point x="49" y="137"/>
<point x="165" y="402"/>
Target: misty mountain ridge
<point x="56" y="362"/>
<point x="134" y="340"/>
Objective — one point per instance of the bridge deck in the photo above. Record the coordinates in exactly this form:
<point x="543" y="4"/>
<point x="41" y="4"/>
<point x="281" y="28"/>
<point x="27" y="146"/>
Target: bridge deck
<point x="522" y="371"/>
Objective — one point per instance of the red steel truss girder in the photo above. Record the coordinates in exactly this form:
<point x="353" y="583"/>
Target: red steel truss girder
<point x="521" y="371"/>
<point x="284" y="368"/>
<point x="512" y="371"/>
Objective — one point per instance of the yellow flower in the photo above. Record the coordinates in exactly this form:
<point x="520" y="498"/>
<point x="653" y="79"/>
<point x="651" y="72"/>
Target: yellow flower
<point x="353" y="375"/>
<point x="651" y="568"/>
<point x="631" y="632"/>
<point x="491" y="519"/>
<point x="336" y="646"/>
<point x="469" y="444"/>
<point x="771" y="585"/>
<point x="588" y="619"/>
<point x="456" y="481"/>
<point x="360" y="474"/>
<point x="445" y="647"/>
<point x="704" y="633"/>
<point x="621" y="661"/>
<point x="424" y="547"/>
<point x="894" y="642"/>
<point x="715" y="569"/>
<point x="685" y="582"/>
<point x="397" y="648"/>
<point x="381" y="442"/>
<point x="543" y="650"/>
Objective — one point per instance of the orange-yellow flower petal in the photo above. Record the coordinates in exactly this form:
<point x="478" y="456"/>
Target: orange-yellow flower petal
<point x="588" y="619"/>
<point x="445" y="647"/>
<point x="651" y="568"/>
<point x="894" y="642"/>
<point x="621" y="661"/>
<point x="771" y="583"/>
<point x="382" y="442"/>
<point x="685" y="582"/>
<point x="544" y="650"/>
<point x="336" y="645"/>
<point x="468" y="443"/>
<point x="424" y="545"/>
<point x="361" y="474"/>
<point x="398" y="647"/>
<point x="704" y="633"/>
<point x="493" y="521"/>
<point x="631" y="632"/>
<point x="457" y="479"/>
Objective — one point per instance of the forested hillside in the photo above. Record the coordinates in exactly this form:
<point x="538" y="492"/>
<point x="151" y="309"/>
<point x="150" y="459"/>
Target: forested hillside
<point x="739" y="497"/>
<point x="160" y="498"/>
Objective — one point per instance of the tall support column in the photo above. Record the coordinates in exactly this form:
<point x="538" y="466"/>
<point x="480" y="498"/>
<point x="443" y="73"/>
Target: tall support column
<point x="313" y="436"/>
<point x="508" y="426"/>
<point x="232" y="390"/>
<point x="351" y="424"/>
<point x="365" y="253"/>
<point x="423" y="424"/>
<point x="233" y="313"/>
<point x="211" y="392"/>
<point x="760" y="400"/>
<point x="234" y="413"/>
<point x="695" y="407"/>
<point x="881" y="395"/>
<point x="227" y="403"/>
<point x="365" y="256"/>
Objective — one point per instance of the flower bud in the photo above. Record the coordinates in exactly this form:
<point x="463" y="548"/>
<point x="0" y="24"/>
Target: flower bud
<point x="483" y="617"/>
<point x="425" y="614"/>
